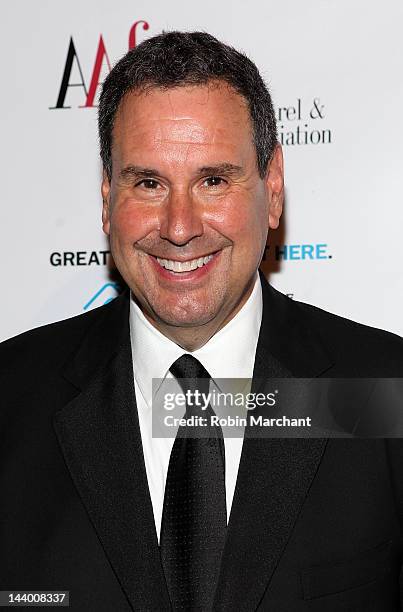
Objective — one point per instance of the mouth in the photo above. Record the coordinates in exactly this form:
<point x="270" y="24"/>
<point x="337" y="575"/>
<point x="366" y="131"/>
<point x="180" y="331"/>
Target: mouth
<point x="191" y="269"/>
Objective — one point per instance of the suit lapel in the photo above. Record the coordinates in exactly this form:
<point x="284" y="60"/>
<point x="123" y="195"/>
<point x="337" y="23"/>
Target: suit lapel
<point x="100" y="439"/>
<point x="274" y="474"/>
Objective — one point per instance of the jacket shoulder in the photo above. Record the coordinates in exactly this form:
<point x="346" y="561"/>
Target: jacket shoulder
<point x="51" y="343"/>
<point x="350" y="341"/>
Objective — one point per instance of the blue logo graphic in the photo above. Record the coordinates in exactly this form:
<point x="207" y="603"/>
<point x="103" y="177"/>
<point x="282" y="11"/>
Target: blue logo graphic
<point x="104" y="295"/>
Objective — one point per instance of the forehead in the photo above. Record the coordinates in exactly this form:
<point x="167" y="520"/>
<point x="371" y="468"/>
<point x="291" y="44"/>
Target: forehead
<point x="186" y="120"/>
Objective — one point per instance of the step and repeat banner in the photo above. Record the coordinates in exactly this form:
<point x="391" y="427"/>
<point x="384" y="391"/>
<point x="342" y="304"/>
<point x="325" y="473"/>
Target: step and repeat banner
<point x="334" y="69"/>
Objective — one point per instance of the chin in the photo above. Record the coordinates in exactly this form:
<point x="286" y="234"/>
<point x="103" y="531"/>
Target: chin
<point x="185" y="317"/>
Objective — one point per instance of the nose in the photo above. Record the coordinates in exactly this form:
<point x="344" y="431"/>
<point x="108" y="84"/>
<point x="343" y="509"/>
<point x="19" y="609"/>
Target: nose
<point x="180" y="219"/>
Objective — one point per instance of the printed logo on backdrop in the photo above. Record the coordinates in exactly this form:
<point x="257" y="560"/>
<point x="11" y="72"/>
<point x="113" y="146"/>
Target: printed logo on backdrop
<point x="297" y="252"/>
<point x="73" y="70"/>
<point x="79" y="258"/>
<point x="107" y="291"/>
<point x="105" y="294"/>
<point x="303" y="123"/>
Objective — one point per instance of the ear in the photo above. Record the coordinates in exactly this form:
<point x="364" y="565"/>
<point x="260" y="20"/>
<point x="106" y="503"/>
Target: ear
<point x="106" y="196"/>
<point x="275" y="186"/>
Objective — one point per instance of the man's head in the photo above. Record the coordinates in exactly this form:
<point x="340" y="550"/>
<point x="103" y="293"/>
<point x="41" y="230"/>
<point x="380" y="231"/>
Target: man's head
<point x="192" y="171"/>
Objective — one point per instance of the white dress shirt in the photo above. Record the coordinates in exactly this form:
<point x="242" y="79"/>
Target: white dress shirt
<point x="230" y="353"/>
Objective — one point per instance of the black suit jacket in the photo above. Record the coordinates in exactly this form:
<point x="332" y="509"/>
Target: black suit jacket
<point x="315" y="524"/>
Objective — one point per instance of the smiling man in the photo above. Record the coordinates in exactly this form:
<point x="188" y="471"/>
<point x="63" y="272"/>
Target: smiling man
<point x="185" y="203"/>
<point x="91" y="501"/>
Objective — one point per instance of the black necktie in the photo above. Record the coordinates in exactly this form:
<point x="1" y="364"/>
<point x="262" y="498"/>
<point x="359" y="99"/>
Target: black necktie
<point x="194" y="515"/>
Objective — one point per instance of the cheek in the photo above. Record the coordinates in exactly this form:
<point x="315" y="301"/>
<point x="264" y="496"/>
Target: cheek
<point x="131" y="221"/>
<point x="243" y="221"/>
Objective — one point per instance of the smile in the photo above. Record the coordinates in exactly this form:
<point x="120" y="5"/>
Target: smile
<point x="184" y="266"/>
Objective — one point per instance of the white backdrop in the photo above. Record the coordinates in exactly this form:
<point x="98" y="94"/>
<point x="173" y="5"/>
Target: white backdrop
<point x="335" y="72"/>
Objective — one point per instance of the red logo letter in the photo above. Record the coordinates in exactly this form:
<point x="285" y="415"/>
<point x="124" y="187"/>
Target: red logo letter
<point x="132" y="33"/>
<point x="101" y="53"/>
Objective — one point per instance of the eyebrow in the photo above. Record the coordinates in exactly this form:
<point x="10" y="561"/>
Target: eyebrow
<point x="135" y="172"/>
<point x="225" y="168"/>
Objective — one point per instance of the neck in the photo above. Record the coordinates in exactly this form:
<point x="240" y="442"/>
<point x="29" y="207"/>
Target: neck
<point x="193" y="338"/>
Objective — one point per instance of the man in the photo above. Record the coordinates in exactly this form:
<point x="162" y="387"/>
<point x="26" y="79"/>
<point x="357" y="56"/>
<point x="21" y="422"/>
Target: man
<point x="193" y="180"/>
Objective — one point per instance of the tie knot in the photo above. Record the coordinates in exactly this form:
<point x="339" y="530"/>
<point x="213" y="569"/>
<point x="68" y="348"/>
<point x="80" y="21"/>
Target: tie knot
<point x="188" y="366"/>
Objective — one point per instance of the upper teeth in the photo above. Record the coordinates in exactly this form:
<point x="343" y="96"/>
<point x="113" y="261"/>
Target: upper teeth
<point x="184" y="266"/>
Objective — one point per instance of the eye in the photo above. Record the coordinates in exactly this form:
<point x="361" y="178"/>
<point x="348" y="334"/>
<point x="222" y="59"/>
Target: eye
<point x="213" y="181"/>
<point x="148" y="184"/>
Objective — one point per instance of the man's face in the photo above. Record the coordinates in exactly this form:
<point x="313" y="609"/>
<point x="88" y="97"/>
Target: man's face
<point x="186" y="210"/>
